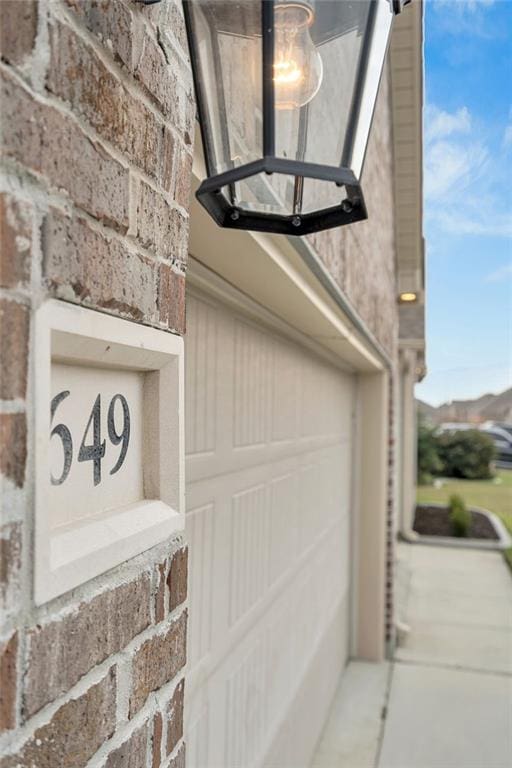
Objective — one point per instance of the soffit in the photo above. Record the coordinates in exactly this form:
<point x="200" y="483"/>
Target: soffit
<point x="406" y="64"/>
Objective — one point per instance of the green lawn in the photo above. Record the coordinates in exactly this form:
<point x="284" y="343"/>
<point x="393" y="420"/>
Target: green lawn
<point x="494" y="495"/>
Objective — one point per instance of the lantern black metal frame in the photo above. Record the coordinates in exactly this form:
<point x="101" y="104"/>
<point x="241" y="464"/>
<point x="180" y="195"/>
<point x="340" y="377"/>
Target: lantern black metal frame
<point x="210" y="195"/>
<point x="350" y="209"/>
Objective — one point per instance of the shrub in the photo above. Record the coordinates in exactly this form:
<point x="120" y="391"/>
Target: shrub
<point x="466" y="453"/>
<point x="460" y="516"/>
<point x="429" y="462"/>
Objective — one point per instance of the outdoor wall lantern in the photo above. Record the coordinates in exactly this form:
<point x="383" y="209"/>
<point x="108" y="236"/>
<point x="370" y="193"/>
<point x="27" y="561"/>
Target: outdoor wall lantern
<point x="286" y="91"/>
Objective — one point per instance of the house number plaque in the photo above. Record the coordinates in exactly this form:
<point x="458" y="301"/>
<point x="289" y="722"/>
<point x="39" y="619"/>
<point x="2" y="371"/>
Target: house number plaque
<point x="109" y="443"/>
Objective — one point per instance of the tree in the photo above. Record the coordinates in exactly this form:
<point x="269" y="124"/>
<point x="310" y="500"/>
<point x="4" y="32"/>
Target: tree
<point x="466" y="453"/>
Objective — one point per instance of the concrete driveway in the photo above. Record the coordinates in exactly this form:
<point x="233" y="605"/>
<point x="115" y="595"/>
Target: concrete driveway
<point x="446" y="699"/>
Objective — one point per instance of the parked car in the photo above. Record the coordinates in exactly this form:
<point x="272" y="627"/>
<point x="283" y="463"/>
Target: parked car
<point x="456" y="426"/>
<point x="506" y="426"/>
<point x="502" y="439"/>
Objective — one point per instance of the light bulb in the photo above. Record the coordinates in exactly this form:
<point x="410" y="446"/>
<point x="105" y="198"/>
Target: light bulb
<point x="298" y="67"/>
<point x="408" y="296"/>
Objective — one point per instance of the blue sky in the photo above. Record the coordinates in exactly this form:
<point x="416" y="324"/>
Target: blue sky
<point x="468" y="198"/>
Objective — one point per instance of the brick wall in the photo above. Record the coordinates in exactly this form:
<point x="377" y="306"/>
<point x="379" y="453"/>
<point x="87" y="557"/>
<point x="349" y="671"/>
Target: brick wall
<point x="389" y="591"/>
<point x="97" y="126"/>
<point x="412" y="321"/>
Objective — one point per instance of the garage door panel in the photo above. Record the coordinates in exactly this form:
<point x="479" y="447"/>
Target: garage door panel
<point x="233" y="460"/>
<point x="321" y="385"/>
<point x="254" y="685"/>
<point x="311" y="523"/>
<point x="285" y="378"/>
<point x="200" y="367"/>
<point x="268" y="524"/>
<point x="242" y="544"/>
<point x="253" y="398"/>
<point x="283" y="529"/>
<point x="230" y="561"/>
<point x="251" y="365"/>
<point x="199" y="728"/>
<point x="289" y="746"/>
<point x="248" y="528"/>
<point x="260" y="521"/>
<point x="201" y="540"/>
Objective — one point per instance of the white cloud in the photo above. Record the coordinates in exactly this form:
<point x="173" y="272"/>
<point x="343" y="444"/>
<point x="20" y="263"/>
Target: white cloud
<point x="473" y="5"/>
<point x="471" y="218"/>
<point x="460" y="177"/>
<point x="507" y="133"/>
<point x="440" y="124"/>
<point x="451" y="167"/>
<point x="464" y="5"/>
<point x="499" y="275"/>
<point x="464" y="17"/>
<point x="453" y="160"/>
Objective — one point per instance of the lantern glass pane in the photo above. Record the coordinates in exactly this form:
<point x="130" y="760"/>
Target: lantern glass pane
<point x="337" y="36"/>
<point x="229" y="59"/>
<point x="280" y="193"/>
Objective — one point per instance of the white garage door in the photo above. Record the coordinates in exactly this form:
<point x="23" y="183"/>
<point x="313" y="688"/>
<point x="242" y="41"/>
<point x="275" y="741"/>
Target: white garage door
<point x="268" y="428"/>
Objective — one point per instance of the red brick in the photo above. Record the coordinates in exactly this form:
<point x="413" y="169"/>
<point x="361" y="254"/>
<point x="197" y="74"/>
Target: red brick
<point x="183" y="182"/>
<point x="110" y="22"/>
<point x="80" y="263"/>
<point x="161" y="84"/>
<point x="160" y="612"/>
<point x="15" y="241"/>
<point x="14" y="333"/>
<point x="171" y="298"/>
<point x="51" y="144"/>
<point x="18" y="28"/>
<point x="175" y="717"/>
<point x="161" y="228"/>
<point x="79" y="77"/>
<point x="177" y="578"/>
<point x="158" y="661"/>
<point x="10" y="559"/>
<point x="153" y="72"/>
<point x="131" y="754"/>
<point x="157" y="741"/>
<point x="179" y="759"/>
<point x="61" y="652"/>
<point x="167" y="81"/>
<point x="168" y="150"/>
<point x="75" y="732"/>
<point x="8" y="664"/>
<point x="13" y="447"/>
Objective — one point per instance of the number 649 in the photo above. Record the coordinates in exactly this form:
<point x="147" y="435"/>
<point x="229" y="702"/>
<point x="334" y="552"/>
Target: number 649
<point x="93" y="451"/>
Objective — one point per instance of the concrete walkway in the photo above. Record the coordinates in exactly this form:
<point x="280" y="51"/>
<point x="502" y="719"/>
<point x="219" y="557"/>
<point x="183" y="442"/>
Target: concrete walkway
<point x="446" y="699"/>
